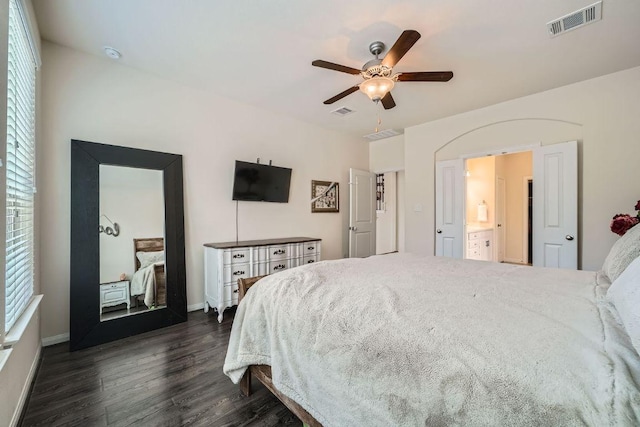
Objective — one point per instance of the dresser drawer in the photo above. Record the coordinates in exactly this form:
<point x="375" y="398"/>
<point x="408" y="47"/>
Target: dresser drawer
<point x="115" y="285"/>
<point x="279" y="252"/>
<point x="236" y="256"/>
<point x="114" y="295"/>
<point x="474" y="244"/>
<point x="278" y="265"/>
<point x="474" y="254"/>
<point x="309" y="259"/>
<point x="233" y="272"/>
<point x="311" y="248"/>
<point x="229" y="291"/>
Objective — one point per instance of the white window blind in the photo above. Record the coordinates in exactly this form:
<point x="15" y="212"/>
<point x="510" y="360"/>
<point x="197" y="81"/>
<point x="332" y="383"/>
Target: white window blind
<point x="20" y="166"/>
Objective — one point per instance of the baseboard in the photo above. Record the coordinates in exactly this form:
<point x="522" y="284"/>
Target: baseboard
<point x="56" y="339"/>
<point x="514" y="261"/>
<point x="26" y="390"/>
<point x="195" y="307"/>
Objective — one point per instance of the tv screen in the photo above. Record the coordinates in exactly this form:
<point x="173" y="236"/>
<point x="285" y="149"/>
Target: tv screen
<point x="261" y="183"/>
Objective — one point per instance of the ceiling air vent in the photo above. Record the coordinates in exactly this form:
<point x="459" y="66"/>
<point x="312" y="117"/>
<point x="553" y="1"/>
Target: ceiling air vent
<point x="575" y="19"/>
<point x="342" y="111"/>
<point x="382" y="134"/>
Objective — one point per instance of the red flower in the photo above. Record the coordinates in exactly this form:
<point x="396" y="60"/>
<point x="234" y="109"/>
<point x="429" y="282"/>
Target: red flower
<point x="637" y="206"/>
<point x="621" y="223"/>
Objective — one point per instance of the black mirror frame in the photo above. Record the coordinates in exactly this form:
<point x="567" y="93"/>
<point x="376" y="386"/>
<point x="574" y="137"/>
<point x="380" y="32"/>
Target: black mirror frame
<point x="86" y="329"/>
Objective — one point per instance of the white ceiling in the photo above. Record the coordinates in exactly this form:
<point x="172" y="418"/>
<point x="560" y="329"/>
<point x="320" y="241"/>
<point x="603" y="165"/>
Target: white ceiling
<point x="260" y="52"/>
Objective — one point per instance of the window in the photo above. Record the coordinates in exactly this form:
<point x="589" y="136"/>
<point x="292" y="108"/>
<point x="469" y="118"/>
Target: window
<point x="20" y="166"/>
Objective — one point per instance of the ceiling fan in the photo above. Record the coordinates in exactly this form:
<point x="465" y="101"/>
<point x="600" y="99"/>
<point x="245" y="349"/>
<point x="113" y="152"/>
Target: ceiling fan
<point x="378" y="73"/>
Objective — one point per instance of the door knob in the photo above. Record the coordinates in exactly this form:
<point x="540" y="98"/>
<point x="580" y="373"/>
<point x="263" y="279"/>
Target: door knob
<point x="354" y="228"/>
<point x="568" y="237"/>
<point x="438" y="231"/>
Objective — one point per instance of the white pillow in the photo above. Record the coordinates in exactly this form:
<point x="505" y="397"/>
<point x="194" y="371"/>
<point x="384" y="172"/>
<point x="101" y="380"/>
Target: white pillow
<point x="623" y="251"/>
<point x="148" y="258"/>
<point x="624" y="294"/>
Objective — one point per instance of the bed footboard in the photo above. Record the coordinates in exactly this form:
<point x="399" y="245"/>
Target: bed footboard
<point x="263" y="374"/>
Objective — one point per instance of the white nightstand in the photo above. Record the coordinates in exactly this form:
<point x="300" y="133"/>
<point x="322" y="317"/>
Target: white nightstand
<point x="114" y="293"/>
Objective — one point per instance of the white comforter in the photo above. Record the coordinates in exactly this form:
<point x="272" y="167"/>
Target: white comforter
<point x="143" y="282"/>
<point x="406" y="340"/>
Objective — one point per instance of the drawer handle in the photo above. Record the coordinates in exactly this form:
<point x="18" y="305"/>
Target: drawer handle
<point x="238" y="256"/>
<point x="279" y="252"/>
<point x="235" y="291"/>
<point x="279" y="267"/>
<point x="310" y="261"/>
<point x="239" y="272"/>
<point x="310" y="248"/>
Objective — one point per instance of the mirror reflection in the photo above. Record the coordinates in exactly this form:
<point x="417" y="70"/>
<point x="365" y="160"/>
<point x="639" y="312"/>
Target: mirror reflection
<point x="132" y="253"/>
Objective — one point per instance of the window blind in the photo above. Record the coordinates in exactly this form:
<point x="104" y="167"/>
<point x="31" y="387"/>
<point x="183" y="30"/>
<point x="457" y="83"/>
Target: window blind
<point x="20" y="166"/>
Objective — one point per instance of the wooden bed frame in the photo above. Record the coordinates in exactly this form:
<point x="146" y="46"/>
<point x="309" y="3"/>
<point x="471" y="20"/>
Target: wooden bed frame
<point x="263" y="372"/>
<point x="153" y="244"/>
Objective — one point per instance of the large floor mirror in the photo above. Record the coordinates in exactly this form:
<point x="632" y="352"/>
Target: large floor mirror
<point x="127" y="242"/>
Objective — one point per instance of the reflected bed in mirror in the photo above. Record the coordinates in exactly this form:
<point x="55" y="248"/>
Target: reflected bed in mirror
<point x="134" y="262"/>
<point x="131" y="201"/>
<point x="145" y="289"/>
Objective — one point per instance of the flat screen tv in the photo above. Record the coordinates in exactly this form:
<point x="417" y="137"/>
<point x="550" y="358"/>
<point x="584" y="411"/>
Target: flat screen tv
<point x="261" y="183"/>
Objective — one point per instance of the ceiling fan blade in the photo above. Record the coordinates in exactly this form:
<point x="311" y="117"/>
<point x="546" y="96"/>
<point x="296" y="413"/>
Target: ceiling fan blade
<point x="388" y="102"/>
<point x="406" y="40"/>
<point x="426" y="76"/>
<point x="342" y="95"/>
<point x="336" y="67"/>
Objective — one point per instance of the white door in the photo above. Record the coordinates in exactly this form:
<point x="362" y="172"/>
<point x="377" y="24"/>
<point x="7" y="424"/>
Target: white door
<point x="449" y="208"/>
<point x="555" y="205"/>
<point x="501" y="197"/>
<point x="362" y="213"/>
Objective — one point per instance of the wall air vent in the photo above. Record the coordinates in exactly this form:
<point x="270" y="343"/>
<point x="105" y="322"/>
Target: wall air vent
<point x="387" y="133"/>
<point x="342" y="111"/>
<point x="576" y="19"/>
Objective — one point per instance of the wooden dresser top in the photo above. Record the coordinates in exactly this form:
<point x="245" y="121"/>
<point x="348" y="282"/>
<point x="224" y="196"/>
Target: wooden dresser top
<point x="265" y="242"/>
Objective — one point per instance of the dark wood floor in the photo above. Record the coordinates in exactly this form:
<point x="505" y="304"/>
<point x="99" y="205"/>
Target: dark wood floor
<point x="168" y="377"/>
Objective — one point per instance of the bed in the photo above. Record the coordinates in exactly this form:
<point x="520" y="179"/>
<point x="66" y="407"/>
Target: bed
<point x="404" y="339"/>
<point x="149" y="280"/>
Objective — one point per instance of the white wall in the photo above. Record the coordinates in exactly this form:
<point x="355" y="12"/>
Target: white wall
<point x="386" y="155"/>
<point x="18" y="372"/>
<point x="601" y="113"/>
<point x="133" y="199"/>
<point x="94" y="99"/>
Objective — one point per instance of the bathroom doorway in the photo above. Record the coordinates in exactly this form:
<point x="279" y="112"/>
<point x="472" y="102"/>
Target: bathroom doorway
<point x="498" y="225"/>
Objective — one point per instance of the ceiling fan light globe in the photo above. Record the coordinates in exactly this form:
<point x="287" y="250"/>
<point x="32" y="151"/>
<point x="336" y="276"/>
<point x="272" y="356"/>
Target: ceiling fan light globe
<point x="377" y="87"/>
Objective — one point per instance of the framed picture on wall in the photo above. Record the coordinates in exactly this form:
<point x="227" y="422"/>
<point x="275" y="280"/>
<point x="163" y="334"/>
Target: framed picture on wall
<point x="324" y="196"/>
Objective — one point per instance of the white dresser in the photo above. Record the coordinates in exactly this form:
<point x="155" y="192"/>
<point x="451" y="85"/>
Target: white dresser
<point x="226" y="262"/>
<point x="480" y="244"/>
